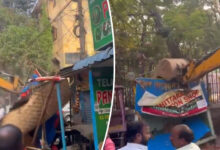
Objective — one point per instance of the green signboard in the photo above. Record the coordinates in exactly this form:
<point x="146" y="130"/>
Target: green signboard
<point x="100" y="23"/>
<point x="102" y="80"/>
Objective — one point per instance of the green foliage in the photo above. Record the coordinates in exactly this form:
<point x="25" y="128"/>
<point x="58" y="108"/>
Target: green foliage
<point x="188" y="27"/>
<point x="159" y="29"/>
<point x="8" y="17"/>
<point x="24" y="41"/>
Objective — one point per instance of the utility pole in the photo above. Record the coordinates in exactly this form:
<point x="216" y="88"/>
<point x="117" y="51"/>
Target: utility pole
<point x="82" y="30"/>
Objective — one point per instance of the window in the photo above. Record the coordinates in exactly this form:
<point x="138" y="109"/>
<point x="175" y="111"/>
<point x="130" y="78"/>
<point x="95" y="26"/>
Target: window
<point x="72" y="58"/>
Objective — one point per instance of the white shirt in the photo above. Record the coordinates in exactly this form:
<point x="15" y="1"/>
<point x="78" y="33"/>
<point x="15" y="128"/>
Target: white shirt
<point x="191" y="146"/>
<point x="134" y="146"/>
<point x="2" y="113"/>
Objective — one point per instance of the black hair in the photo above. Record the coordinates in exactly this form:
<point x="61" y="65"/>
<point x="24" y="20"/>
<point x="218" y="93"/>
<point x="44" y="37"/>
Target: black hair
<point x="10" y="138"/>
<point x="187" y="135"/>
<point x="133" y="129"/>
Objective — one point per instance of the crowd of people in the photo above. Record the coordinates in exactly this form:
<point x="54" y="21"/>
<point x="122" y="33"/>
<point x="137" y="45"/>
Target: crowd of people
<point x="138" y="134"/>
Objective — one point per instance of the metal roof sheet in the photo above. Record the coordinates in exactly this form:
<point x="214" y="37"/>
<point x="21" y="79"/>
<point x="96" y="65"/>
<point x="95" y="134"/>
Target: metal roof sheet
<point x="101" y="56"/>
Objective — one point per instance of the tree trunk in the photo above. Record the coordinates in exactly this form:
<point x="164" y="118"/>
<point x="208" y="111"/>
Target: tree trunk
<point x="172" y="43"/>
<point x="144" y="32"/>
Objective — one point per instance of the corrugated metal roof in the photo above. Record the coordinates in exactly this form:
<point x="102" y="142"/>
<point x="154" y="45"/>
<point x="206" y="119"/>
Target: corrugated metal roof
<point x="101" y="56"/>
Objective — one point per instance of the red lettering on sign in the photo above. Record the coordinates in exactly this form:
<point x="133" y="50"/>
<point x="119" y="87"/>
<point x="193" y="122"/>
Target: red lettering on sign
<point x="105" y="97"/>
<point x="179" y="99"/>
<point x="180" y="102"/>
<point x="99" y="96"/>
<point x="104" y="8"/>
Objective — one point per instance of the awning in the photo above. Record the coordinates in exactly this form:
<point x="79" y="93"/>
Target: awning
<point x="103" y="58"/>
<point x="99" y="57"/>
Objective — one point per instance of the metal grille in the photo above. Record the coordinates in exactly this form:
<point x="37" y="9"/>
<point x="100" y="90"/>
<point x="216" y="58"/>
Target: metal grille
<point x="212" y="82"/>
<point x="130" y="97"/>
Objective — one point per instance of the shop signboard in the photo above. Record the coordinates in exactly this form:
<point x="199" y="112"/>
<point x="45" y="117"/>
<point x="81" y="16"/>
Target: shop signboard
<point x="100" y="23"/>
<point x="100" y="82"/>
<point x="162" y="98"/>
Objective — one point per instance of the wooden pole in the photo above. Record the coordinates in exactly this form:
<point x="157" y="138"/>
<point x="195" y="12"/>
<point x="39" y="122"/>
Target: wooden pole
<point x="81" y="30"/>
<point x="42" y="113"/>
<point x="61" y="116"/>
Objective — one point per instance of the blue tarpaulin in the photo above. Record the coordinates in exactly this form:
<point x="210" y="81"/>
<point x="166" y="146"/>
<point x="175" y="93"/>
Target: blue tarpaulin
<point x="198" y="127"/>
<point x="160" y="142"/>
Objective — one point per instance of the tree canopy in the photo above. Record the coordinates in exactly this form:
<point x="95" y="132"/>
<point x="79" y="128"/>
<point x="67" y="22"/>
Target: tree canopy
<point x="149" y="30"/>
<point x="24" y="41"/>
<point x="21" y="6"/>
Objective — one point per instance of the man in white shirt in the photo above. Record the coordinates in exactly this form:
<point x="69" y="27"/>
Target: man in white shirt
<point x="182" y="137"/>
<point x="138" y="134"/>
<point x="2" y="113"/>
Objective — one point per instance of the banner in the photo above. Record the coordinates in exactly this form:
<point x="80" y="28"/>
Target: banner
<point x="101" y="81"/>
<point x="100" y="23"/>
<point x="162" y="98"/>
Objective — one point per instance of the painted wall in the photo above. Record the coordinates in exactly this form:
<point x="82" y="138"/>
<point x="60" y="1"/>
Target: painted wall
<point x="65" y="42"/>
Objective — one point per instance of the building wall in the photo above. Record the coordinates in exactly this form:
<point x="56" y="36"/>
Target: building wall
<point x="66" y="47"/>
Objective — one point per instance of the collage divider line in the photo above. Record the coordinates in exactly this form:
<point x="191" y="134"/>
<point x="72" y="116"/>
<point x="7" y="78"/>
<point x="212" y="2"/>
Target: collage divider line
<point x="113" y="87"/>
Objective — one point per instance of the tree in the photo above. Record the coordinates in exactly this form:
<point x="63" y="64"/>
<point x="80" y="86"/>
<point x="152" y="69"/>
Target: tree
<point x="22" y="6"/>
<point x="25" y="42"/>
<point x="9" y="17"/>
<point x="158" y="29"/>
